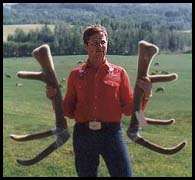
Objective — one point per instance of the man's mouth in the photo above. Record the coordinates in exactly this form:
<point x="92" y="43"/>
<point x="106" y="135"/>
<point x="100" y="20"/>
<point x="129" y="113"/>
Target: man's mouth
<point x="99" y="52"/>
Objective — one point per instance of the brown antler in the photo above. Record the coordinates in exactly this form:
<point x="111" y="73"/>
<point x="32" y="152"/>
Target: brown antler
<point x="43" y="55"/>
<point x="147" y="51"/>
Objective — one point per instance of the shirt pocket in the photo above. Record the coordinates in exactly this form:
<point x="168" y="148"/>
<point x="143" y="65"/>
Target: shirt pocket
<point x="111" y="89"/>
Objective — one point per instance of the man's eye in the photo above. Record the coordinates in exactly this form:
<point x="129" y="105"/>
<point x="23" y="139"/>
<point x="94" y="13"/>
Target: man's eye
<point x="94" y="43"/>
<point x="97" y="43"/>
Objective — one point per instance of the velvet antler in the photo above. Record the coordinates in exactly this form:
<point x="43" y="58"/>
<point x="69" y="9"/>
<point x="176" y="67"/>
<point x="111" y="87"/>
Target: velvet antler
<point x="147" y="51"/>
<point x="48" y="75"/>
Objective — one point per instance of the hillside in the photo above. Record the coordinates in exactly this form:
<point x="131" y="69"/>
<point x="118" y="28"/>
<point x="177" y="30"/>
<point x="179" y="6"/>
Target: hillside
<point x="175" y="15"/>
<point x="167" y="25"/>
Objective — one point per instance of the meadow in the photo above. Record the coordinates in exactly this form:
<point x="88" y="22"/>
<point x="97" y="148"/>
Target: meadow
<point x="27" y="110"/>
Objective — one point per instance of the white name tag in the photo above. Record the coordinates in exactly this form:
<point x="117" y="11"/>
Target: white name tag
<point x="94" y="125"/>
<point x="141" y="120"/>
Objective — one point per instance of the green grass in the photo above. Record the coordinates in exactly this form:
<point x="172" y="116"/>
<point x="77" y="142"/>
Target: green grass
<point x="26" y="110"/>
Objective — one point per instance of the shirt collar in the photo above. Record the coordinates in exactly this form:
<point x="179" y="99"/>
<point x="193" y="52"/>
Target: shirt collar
<point x="109" y="67"/>
<point x="105" y="65"/>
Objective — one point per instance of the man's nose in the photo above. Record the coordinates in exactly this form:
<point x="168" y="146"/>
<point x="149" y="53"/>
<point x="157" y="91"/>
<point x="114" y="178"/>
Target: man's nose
<point x="99" y="45"/>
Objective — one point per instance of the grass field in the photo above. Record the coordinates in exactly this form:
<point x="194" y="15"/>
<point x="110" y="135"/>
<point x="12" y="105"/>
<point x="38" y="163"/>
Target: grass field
<point x="26" y="110"/>
<point x="10" y="29"/>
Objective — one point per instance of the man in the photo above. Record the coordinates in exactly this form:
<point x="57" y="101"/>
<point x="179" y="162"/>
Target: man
<point x="98" y="92"/>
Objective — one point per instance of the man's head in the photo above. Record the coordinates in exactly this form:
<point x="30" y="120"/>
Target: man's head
<point x="93" y="29"/>
<point x="95" y="40"/>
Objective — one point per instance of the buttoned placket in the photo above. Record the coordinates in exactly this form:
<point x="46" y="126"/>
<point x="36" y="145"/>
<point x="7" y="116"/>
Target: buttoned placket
<point x="96" y="82"/>
<point x="96" y="79"/>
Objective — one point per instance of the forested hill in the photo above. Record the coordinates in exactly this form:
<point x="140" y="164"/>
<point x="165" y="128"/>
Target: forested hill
<point x="167" y="25"/>
<point x="172" y="15"/>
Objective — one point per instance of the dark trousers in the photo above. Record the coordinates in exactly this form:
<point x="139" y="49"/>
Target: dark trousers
<point x="109" y="143"/>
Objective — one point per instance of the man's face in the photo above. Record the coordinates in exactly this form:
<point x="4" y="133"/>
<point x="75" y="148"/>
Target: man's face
<point x="97" y="48"/>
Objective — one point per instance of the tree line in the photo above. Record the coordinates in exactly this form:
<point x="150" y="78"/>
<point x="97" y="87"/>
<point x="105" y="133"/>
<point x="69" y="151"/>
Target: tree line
<point x="124" y="36"/>
<point x="177" y="15"/>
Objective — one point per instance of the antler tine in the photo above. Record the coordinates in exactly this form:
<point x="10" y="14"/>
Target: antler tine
<point x="28" y="137"/>
<point x="160" y="149"/>
<point x="62" y="137"/>
<point x="159" y="121"/>
<point x="163" y="78"/>
<point x="31" y="75"/>
<point x="39" y="157"/>
<point x="155" y="147"/>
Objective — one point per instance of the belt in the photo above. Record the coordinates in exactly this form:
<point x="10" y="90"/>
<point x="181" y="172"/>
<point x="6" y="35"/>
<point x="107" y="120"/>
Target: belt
<point x="98" y="125"/>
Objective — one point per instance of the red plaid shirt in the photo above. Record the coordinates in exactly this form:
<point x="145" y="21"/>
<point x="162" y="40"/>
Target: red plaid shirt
<point x="101" y="95"/>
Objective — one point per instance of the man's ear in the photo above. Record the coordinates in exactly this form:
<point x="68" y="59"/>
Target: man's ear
<point x="86" y="46"/>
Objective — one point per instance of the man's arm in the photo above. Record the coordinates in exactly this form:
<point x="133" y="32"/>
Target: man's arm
<point x="70" y="98"/>
<point x="126" y="94"/>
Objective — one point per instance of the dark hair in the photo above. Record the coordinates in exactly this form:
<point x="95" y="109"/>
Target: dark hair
<point x="93" y="29"/>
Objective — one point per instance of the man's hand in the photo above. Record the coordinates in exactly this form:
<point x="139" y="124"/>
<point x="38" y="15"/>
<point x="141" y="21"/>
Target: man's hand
<point x="146" y="85"/>
<point x="50" y="92"/>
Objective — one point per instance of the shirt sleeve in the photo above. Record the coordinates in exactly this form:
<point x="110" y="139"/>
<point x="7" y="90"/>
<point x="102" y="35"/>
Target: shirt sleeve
<point x="70" y="98"/>
<point x="126" y="94"/>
